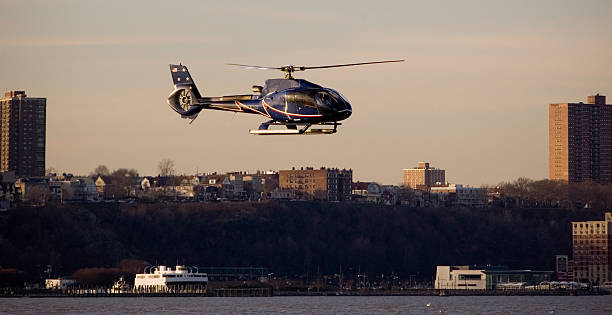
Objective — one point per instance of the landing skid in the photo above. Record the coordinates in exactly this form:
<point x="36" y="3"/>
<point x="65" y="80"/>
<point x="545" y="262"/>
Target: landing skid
<point x="293" y="130"/>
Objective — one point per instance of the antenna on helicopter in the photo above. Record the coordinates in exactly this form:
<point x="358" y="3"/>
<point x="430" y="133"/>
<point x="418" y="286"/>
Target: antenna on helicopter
<point x="290" y="69"/>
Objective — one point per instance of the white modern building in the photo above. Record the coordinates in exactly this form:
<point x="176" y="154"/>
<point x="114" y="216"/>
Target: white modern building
<point x="459" y="277"/>
<point x="487" y="278"/>
<point x="162" y="279"/>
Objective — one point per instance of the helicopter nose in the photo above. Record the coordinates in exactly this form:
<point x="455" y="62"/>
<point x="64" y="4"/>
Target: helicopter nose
<point x="346" y="111"/>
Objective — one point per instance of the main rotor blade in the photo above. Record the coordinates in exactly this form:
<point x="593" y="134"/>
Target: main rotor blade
<point x="253" y="67"/>
<point x="349" y="64"/>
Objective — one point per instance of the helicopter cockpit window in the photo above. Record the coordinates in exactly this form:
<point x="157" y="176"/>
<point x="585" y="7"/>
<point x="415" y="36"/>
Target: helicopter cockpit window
<point x="335" y="94"/>
<point x="340" y="99"/>
<point x="324" y="99"/>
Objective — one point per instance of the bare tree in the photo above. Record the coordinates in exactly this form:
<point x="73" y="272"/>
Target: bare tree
<point x="166" y="167"/>
<point x="51" y="170"/>
<point x="101" y="170"/>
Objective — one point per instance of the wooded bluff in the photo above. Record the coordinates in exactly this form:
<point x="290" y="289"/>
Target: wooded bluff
<point x="287" y="238"/>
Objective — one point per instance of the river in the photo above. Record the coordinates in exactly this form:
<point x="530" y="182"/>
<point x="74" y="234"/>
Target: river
<point x="313" y="305"/>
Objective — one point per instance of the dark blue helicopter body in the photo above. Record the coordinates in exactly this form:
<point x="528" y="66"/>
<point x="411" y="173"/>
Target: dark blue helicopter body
<point x="289" y="102"/>
<point x="296" y="100"/>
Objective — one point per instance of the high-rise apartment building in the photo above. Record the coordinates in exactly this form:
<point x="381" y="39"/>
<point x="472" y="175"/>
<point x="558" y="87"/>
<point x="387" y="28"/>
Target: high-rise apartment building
<point x="580" y="141"/>
<point x="423" y="176"/>
<point x="22" y="134"/>
<point x="592" y="249"/>
<point x="329" y="184"/>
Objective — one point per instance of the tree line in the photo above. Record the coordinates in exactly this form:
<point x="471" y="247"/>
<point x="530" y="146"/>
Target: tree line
<point x="287" y="238"/>
<point x="525" y="192"/>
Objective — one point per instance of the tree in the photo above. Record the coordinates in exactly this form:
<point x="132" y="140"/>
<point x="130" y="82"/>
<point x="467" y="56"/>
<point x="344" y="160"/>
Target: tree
<point x="101" y="170"/>
<point x="121" y="182"/>
<point x="12" y="278"/>
<point x="97" y="276"/>
<point x="166" y="167"/>
<point x="37" y="195"/>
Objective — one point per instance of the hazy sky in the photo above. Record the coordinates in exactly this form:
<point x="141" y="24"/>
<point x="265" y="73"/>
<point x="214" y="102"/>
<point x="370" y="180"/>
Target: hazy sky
<point x="471" y="98"/>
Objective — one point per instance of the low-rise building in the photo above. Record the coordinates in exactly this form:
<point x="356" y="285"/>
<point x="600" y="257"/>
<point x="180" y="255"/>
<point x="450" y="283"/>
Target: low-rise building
<point x="487" y="277"/>
<point x="58" y="283"/>
<point x="462" y="196"/>
<point x="367" y="191"/>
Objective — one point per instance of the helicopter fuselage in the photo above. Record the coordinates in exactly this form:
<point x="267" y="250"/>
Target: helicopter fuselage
<point x="307" y="103"/>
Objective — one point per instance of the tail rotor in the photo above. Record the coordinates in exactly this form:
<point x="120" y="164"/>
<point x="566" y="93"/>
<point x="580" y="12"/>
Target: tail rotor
<point x="185" y="98"/>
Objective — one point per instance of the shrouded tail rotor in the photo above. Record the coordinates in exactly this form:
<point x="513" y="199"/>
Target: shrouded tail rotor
<point x="183" y="101"/>
<point x="185" y="97"/>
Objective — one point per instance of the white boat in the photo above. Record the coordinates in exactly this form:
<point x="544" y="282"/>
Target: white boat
<point x="163" y="279"/>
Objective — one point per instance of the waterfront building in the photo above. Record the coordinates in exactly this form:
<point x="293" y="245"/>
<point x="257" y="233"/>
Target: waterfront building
<point x="329" y="184"/>
<point x="592" y="250"/>
<point x="487" y="277"/>
<point x="423" y="176"/>
<point x="580" y="141"/>
<point x="58" y="283"/>
<point x="164" y="279"/>
<point x="22" y="134"/>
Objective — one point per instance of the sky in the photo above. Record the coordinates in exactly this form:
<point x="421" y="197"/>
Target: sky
<point x="472" y="97"/>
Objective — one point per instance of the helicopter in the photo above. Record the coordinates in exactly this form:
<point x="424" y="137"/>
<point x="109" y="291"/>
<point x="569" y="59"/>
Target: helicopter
<point x="302" y="107"/>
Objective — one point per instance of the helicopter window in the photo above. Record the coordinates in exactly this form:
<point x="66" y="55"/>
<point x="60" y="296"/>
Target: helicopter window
<point x="324" y="99"/>
<point x="335" y="94"/>
<point x="339" y="98"/>
<point x="301" y="99"/>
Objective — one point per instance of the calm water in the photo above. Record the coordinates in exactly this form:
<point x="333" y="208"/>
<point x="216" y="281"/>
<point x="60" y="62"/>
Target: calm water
<point x="314" y="305"/>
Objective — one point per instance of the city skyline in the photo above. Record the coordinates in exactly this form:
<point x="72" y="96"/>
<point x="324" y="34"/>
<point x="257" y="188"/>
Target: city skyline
<point x="472" y="95"/>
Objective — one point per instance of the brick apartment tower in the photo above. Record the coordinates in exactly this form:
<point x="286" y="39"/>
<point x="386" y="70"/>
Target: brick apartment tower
<point x="22" y="134"/>
<point x="423" y="176"/>
<point x="580" y="141"/>
<point x="592" y="250"/>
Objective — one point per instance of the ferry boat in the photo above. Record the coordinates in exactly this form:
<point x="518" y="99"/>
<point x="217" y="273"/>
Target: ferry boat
<point x="163" y="279"/>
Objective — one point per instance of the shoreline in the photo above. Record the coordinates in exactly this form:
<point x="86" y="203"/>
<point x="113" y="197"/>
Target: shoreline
<point x="265" y="293"/>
